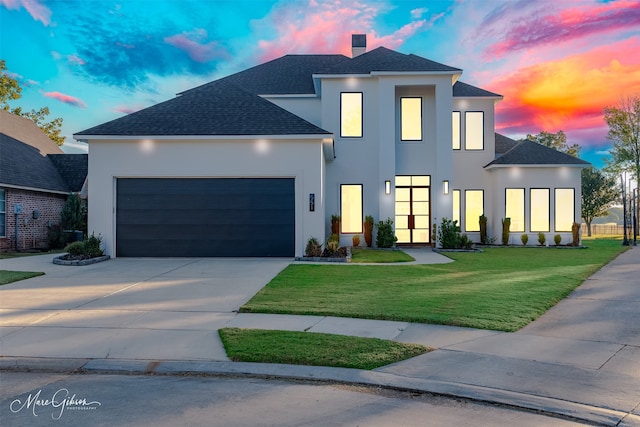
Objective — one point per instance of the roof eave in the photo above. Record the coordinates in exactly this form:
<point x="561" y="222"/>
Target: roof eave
<point x="316" y="136"/>
<point x="40" y="190"/>
<point x="537" y="165"/>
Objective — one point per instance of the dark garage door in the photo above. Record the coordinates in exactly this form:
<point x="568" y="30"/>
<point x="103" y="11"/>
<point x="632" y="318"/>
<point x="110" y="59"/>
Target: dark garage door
<point x="194" y="217"/>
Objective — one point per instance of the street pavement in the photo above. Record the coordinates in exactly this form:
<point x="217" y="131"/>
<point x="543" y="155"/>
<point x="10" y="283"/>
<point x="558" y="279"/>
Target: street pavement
<point x="581" y="359"/>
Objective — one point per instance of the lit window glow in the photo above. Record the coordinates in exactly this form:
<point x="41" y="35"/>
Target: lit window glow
<point x="411" y="119"/>
<point x="564" y="215"/>
<point x="514" y="208"/>
<point x="455" y="121"/>
<point x="351" y="208"/>
<point x="456" y="206"/>
<point x="351" y="114"/>
<point x="539" y="209"/>
<point x="473" y="208"/>
<point x="474" y="134"/>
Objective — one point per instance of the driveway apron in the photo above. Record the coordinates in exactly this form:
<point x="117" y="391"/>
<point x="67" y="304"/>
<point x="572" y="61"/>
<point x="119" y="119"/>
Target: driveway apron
<point x="125" y="308"/>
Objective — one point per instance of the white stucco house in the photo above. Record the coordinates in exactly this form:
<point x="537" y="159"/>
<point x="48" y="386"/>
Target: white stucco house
<point x="256" y="163"/>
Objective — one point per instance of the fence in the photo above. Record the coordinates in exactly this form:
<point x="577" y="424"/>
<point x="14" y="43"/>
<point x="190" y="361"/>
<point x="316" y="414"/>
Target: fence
<point x="608" y="229"/>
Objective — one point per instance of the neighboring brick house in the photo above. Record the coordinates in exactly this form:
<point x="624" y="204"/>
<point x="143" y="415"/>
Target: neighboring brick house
<point x="37" y="176"/>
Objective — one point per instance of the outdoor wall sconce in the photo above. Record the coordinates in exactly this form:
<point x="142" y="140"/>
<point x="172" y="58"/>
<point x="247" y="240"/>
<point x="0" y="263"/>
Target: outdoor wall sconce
<point x="387" y="187"/>
<point x="445" y="186"/>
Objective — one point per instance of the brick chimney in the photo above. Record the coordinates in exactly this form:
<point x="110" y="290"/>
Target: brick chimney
<point x="358" y="44"/>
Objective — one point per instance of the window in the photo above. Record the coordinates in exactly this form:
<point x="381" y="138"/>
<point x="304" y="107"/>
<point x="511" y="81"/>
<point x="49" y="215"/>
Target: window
<point x="514" y="208"/>
<point x="564" y="217"/>
<point x="351" y="208"/>
<point x="474" y="134"/>
<point x="456" y="206"/>
<point x="455" y="121"/>
<point x="539" y="209"/>
<point x="473" y="208"/>
<point x="411" y="119"/>
<point x="351" y="114"/>
<point x="3" y="213"/>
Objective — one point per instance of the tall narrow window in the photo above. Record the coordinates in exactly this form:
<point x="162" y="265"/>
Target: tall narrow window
<point x="456" y="206"/>
<point x="474" y="130"/>
<point x="455" y="122"/>
<point x="564" y="217"/>
<point x="473" y="208"/>
<point x="411" y="119"/>
<point x="351" y="114"/>
<point x="351" y="208"/>
<point x="514" y="208"/>
<point x="539" y="209"/>
<point x="3" y="213"/>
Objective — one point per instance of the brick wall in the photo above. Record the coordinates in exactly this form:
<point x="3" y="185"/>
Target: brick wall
<point x="32" y="233"/>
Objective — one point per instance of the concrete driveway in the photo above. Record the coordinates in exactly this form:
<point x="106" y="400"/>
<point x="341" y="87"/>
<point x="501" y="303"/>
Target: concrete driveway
<point x="142" y="308"/>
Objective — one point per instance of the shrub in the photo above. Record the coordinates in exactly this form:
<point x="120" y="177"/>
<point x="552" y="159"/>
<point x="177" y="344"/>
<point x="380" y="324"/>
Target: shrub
<point x="335" y="224"/>
<point x="506" y="224"/>
<point x="314" y="248"/>
<point x="385" y="237"/>
<point x="333" y="243"/>
<point x="524" y="238"/>
<point x="92" y="246"/>
<point x="541" y="238"/>
<point x="74" y="214"/>
<point x="75" y="248"/>
<point x="483" y="229"/>
<point x="557" y="239"/>
<point x="368" y="230"/>
<point x="56" y="238"/>
<point x="434" y="233"/>
<point x="575" y="232"/>
<point x="465" y="242"/>
<point x="356" y="240"/>
<point x="449" y="234"/>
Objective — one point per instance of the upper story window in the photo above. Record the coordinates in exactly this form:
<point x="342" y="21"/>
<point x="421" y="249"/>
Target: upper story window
<point x="411" y="119"/>
<point x="351" y="114"/>
<point x="474" y="130"/>
<point x="455" y="121"/>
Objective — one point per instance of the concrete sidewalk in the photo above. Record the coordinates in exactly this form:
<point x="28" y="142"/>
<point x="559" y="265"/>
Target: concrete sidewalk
<point x="581" y="359"/>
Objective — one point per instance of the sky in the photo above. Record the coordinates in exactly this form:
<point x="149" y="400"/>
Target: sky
<point x="557" y="63"/>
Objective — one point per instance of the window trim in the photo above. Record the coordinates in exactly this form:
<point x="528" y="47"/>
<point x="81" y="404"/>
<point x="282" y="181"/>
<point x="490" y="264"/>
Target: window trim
<point x="453" y="146"/>
<point x="361" y="116"/>
<point x="421" y="120"/>
<point x="548" y="210"/>
<point x="361" y="222"/>
<point x="555" y="208"/>
<point x="524" y="208"/>
<point x="466" y="133"/>
<point x="466" y="226"/>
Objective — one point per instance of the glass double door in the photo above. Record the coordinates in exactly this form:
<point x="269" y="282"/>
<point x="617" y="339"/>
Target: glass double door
<point x="413" y="208"/>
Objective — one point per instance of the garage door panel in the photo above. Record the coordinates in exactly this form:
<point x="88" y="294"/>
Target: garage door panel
<point x="205" y="217"/>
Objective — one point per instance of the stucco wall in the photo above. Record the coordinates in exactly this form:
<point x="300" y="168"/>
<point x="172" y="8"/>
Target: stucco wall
<point x="302" y="160"/>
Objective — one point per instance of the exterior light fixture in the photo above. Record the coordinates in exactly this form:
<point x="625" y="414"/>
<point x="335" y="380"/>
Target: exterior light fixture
<point x="445" y="186"/>
<point x="387" y="187"/>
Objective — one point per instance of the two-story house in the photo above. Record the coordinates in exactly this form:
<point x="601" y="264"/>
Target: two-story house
<point x="256" y="163"/>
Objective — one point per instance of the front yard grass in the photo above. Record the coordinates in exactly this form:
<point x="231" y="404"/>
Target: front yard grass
<point x="7" y="276"/>
<point x="308" y="348"/>
<point x="500" y="289"/>
<point x="360" y="255"/>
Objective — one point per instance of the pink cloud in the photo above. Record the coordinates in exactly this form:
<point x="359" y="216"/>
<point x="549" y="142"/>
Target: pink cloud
<point x="549" y="25"/>
<point x="326" y="27"/>
<point x="192" y="43"/>
<point x="127" y="109"/>
<point x="36" y="9"/>
<point x="67" y="99"/>
<point x="75" y="60"/>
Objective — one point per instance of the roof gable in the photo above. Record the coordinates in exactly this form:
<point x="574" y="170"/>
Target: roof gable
<point x="528" y="152"/>
<point x="73" y="169"/>
<point x="23" y="129"/>
<point x="465" y="90"/>
<point x="386" y="60"/>
<point x="218" y="108"/>
<point x="504" y="144"/>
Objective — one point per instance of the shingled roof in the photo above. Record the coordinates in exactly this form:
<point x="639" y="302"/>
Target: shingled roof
<point x="504" y="144"/>
<point x="219" y="108"/>
<point x="29" y="159"/>
<point x="386" y="60"/>
<point x="465" y="90"/>
<point x="528" y="152"/>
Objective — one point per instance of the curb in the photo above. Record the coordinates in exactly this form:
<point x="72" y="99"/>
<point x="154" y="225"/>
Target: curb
<point x="567" y="409"/>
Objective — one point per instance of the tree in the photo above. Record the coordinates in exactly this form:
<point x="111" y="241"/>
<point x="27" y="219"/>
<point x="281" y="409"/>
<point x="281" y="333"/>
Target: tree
<point x="598" y="192"/>
<point x="557" y="141"/>
<point x="624" y="132"/>
<point x="10" y="90"/>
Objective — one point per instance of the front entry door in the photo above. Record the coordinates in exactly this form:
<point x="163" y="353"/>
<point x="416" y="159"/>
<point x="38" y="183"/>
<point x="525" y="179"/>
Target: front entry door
<point x="413" y="209"/>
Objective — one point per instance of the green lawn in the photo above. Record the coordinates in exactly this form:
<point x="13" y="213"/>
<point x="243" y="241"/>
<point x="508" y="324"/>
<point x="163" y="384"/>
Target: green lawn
<point x="307" y="348"/>
<point x="360" y="255"/>
<point x="7" y="276"/>
<point x="500" y="288"/>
